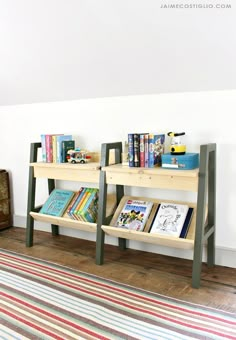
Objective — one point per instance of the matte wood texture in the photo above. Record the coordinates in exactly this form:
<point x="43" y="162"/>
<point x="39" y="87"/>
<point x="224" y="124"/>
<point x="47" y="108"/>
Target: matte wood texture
<point x="69" y="172"/>
<point x="152" y="177"/>
<point x="202" y="181"/>
<point x="187" y="243"/>
<point x="88" y="172"/>
<point x="74" y="224"/>
<point x="158" y="273"/>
